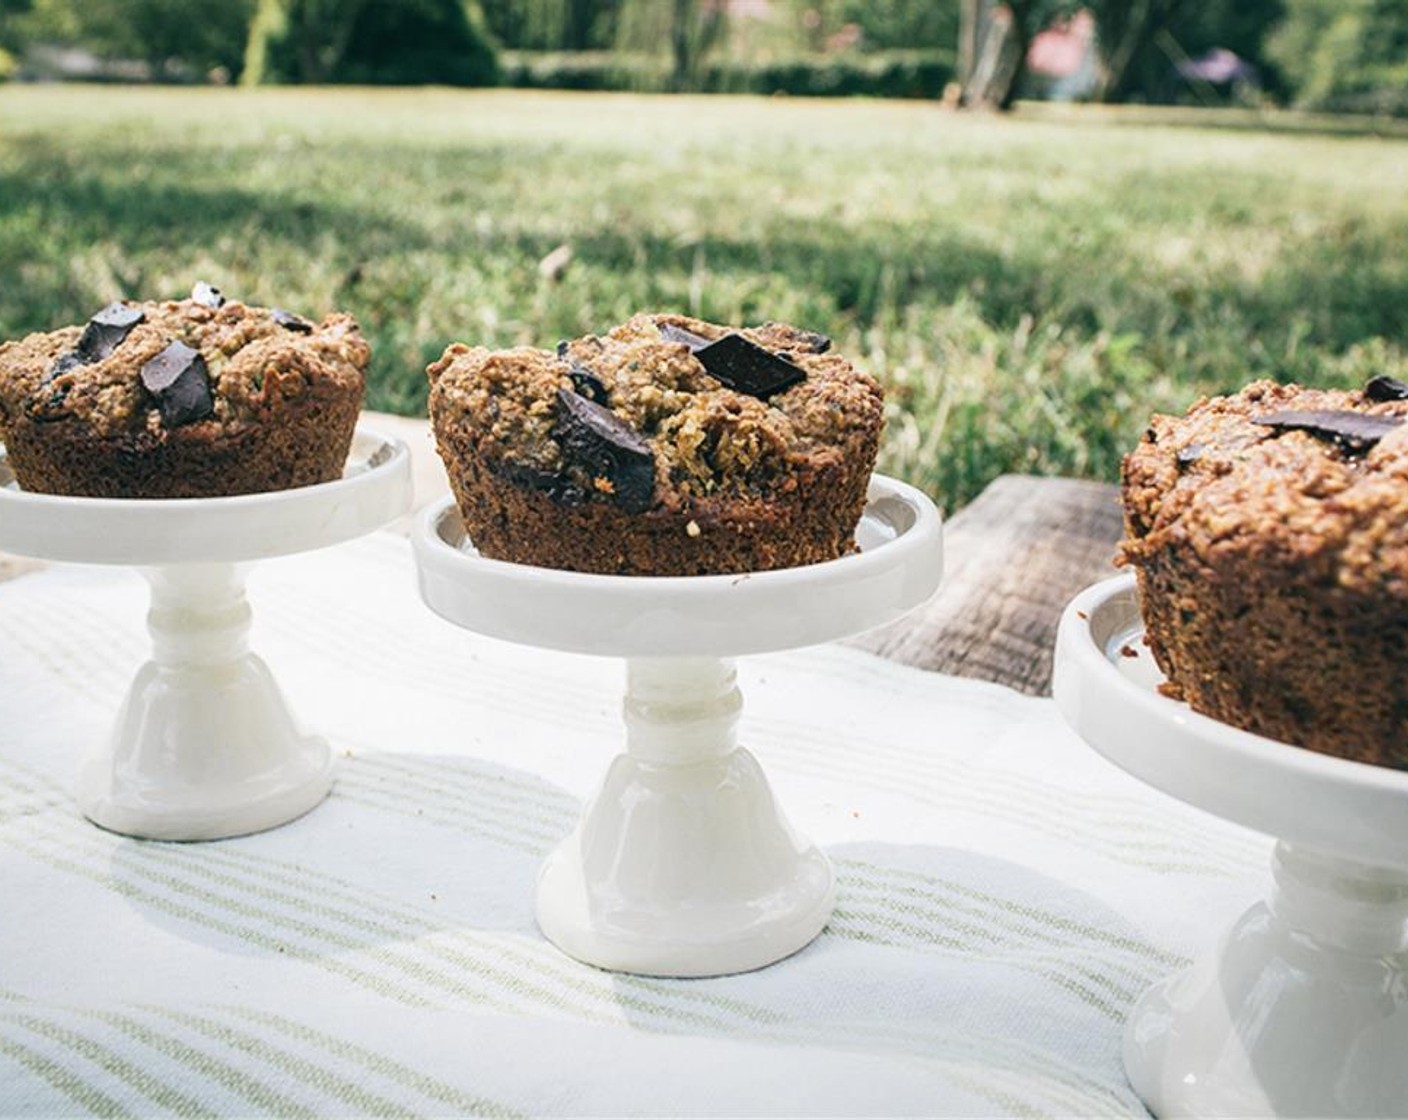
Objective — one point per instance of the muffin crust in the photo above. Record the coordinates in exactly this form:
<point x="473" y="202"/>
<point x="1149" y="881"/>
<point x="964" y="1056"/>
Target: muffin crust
<point x="283" y="396"/>
<point x="1272" y="563"/>
<point x="740" y="483"/>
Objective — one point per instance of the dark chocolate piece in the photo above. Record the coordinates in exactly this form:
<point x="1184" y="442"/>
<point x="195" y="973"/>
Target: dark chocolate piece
<point x="1190" y="454"/>
<point x="106" y="331"/>
<point x="588" y="384"/>
<point x="207" y="295"/>
<point x="1354" y="431"/>
<point x="747" y="367"/>
<point x="559" y="488"/>
<point x="291" y="322"/>
<point x="177" y="377"/>
<point x="597" y="441"/>
<point x="671" y="333"/>
<point x="65" y="362"/>
<point x="1380" y="389"/>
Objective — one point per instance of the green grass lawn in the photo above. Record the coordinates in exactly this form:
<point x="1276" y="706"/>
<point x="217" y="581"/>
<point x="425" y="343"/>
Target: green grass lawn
<point x="1029" y="289"/>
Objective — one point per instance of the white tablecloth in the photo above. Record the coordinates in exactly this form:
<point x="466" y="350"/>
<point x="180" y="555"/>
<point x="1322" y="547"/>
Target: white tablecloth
<point x="1004" y="894"/>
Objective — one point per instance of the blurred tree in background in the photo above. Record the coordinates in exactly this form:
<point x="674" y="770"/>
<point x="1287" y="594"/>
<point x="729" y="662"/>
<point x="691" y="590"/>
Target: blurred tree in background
<point x="371" y="42"/>
<point x="553" y="25"/>
<point x="902" y="24"/>
<point x="1335" y="55"/>
<point x="10" y="41"/>
<point x="177" y="39"/>
<point x="689" y="29"/>
<point x="1142" y="42"/>
<point x="993" y="41"/>
<point x="1344" y="55"/>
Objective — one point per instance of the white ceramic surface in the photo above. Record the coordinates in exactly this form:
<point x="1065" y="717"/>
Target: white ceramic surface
<point x="683" y="864"/>
<point x="1302" y="1007"/>
<point x="374" y="489"/>
<point x="688" y="616"/>
<point x="205" y="746"/>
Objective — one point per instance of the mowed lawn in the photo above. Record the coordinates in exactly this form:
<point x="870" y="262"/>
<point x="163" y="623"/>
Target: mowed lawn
<point x="1029" y="289"/>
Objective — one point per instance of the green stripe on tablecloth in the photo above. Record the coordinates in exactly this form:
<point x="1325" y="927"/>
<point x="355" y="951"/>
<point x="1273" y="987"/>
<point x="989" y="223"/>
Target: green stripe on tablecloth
<point x="870" y="936"/>
<point x="307" y="901"/>
<point x="536" y="990"/>
<point x="251" y="935"/>
<point x="802" y="1033"/>
<point x="918" y="884"/>
<point x="200" y="1063"/>
<point x="113" y="1063"/>
<point x="389" y="1068"/>
<point x="288" y="1064"/>
<point x="448" y="669"/>
<point x="537" y="954"/>
<point x="483" y="954"/>
<point x="965" y="796"/>
<point x="87" y="652"/>
<point x="859" y="757"/>
<point x="369" y="797"/>
<point x="1084" y="981"/>
<point x="907" y="934"/>
<point x="454" y="808"/>
<point x="304" y="1071"/>
<point x="471" y="784"/>
<point x="93" y="1101"/>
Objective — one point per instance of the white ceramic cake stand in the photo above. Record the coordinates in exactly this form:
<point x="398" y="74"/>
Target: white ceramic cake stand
<point x="683" y="864"/>
<point x="1302" y="1009"/>
<point x="204" y="745"/>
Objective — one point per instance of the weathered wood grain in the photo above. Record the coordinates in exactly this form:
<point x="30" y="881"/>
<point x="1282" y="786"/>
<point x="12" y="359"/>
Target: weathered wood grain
<point x="1013" y="559"/>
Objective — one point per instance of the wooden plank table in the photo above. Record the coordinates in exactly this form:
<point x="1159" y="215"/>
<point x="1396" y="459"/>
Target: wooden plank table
<point x="1013" y="559"/>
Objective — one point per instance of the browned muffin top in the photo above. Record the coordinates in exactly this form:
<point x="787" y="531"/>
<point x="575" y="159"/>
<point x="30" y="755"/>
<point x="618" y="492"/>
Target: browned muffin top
<point x="1313" y="480"/>
<point x="151" y="367"/>
<point x="705" y="437"/>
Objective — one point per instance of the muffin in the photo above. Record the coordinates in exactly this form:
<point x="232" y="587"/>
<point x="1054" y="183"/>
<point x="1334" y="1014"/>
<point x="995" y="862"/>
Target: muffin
<point x="1269" y="534"/>
<point x="669" y="446"/>
<point x="195" y="398"/>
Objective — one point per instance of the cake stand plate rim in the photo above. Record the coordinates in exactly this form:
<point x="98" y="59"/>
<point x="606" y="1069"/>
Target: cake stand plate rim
<point x="710" y="615"/>
<point x="1336" y="805"/>
<point x="375" y="488"/>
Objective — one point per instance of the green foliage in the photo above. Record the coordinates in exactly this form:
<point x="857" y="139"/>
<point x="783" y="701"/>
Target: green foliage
<point x="889" y="25"/>
<point x="1141" y="42"/>
<point x="369" y="42"/>
<point x="1028" y="289"/>
<point x="1345" y="55"/>
<point x="921" y="74"/>
<point x="552" y="25"/>
<point x="184" y="38"/>
<point x="10" y="37"/>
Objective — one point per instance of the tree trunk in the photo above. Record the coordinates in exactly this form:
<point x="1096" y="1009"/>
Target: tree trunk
<point x="1142" y="20"/>
<point x="1019" y="42"/>
<point x="968" y="30"/>
<point x="679" y="44"/>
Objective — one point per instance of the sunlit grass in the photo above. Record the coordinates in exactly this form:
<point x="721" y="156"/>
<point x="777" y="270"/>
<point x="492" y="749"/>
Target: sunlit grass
<point x="1029" y="289"/>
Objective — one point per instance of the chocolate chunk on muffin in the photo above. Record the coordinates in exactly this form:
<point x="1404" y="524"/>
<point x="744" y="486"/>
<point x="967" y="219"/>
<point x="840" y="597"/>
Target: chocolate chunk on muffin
<point x="202" y="397"/>
<point x="1269" y="534"/>
<point x="668" y="446"/>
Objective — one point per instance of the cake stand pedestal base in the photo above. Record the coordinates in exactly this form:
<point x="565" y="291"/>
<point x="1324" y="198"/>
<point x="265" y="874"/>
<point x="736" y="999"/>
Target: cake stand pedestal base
<point x="204" y="745"/>
<point x="683" y="864"/>
<point x="1302" y="1009"/>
